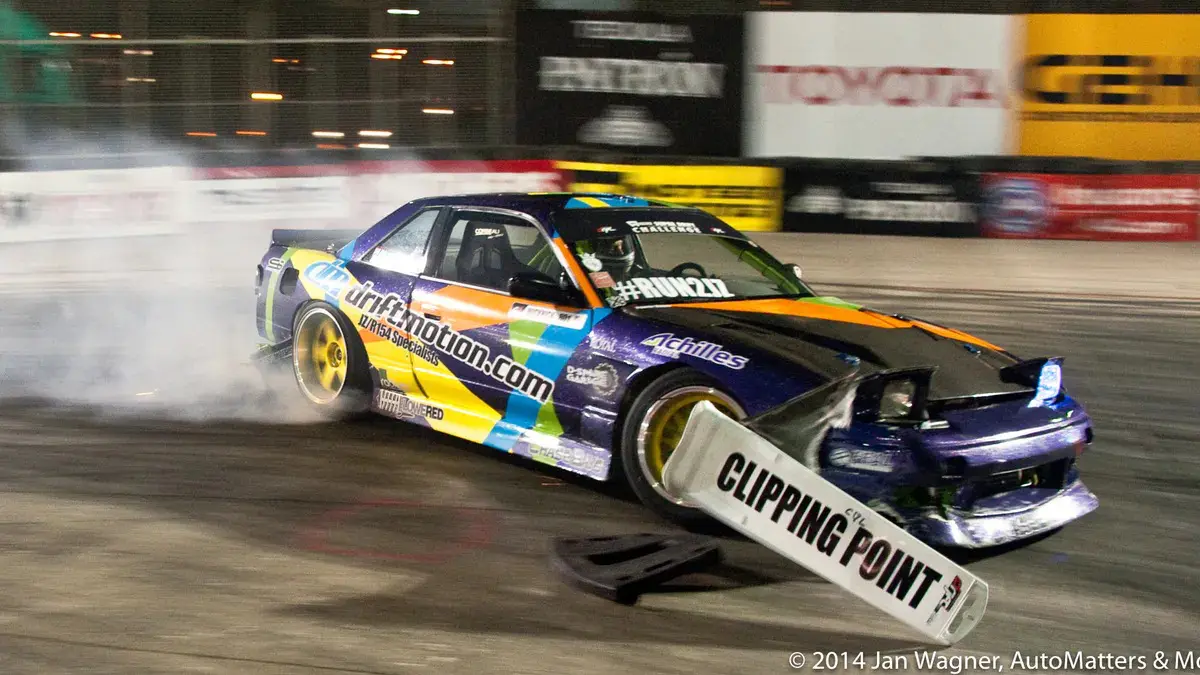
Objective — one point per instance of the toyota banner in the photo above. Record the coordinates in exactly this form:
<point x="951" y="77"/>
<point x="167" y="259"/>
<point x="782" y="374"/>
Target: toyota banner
<point x="878" y="85"/>
<point x="630" y="81"/>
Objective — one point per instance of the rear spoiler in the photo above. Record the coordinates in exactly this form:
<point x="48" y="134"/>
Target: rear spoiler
<point x="321" y="240"/>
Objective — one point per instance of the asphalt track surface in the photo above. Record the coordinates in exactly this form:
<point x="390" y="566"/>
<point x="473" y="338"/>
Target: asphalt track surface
<point x="136" y="541"/>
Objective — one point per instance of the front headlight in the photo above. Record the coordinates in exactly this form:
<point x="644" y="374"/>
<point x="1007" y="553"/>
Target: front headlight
<point x="894" y="397"/>
<point x="1049" y="383"/>
<point x="897" y="400"/>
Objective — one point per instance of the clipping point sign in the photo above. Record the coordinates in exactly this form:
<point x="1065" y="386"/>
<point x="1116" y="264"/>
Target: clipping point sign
<point x="747" y="483"/>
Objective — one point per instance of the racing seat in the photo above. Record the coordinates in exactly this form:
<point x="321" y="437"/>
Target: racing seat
<point x="486" y="257"/>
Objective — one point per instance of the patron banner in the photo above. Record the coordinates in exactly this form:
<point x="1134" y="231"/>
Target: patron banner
<point x="877" y="85"/>
<point x="1115" y="86"/>
<point x="634" y="81"/>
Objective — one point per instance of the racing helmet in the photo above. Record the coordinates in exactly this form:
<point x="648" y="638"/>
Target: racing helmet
<point x="616" y="253"/>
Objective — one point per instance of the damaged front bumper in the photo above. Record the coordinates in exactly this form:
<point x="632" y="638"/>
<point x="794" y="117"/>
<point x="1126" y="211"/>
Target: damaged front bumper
<point x="966" y="530"/>
<point x="945" y="485"/>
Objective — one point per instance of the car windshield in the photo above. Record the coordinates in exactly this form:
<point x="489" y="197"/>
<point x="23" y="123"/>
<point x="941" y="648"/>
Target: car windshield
<point x="656" y="256"/>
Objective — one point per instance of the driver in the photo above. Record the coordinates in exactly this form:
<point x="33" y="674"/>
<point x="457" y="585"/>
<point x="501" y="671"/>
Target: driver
<point x="616" y="254"/>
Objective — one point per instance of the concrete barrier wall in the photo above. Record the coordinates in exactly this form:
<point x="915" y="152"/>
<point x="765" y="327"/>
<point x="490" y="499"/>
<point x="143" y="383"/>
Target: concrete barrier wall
<point x="1070" y="268"/>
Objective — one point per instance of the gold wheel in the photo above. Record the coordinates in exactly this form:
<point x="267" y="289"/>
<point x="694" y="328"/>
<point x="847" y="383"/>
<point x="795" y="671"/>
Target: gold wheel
<point x="663" y="425"/>
<point x="320" y="356"/>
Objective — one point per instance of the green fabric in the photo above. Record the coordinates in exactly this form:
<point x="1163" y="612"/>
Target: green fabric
<point x="52" y="83"/>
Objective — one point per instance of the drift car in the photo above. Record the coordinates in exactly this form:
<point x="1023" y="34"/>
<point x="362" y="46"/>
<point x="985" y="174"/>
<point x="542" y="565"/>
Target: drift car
<point x="579" y="330"/>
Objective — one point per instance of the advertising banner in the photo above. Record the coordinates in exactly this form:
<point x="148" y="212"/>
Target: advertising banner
<point x="353" y="194"/>
<point x="314" y="194"/>
<point x="382" y="187"/>
<point x="1112" y="86"/>
<point x="878" y="199"/>
<point x="749" y="198"/>
<point x="50" y="205"/>
<point x="877" y="85"/>
<point x="1114" y="207"/>
<point x="630" y="80"/>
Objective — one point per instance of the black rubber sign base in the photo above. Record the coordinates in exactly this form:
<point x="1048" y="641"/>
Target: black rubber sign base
<point x="622" y="568"/>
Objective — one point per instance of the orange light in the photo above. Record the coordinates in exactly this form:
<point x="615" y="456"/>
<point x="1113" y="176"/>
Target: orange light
<point x="106" y="36"/>
<point x="330" y="146"/>
<point x="438" y="62"/>
<point x="66" y="35"/>
<point x="202" y="134"/>
<point x="241" y="132"/>
<point x="266" y="96"/>
<point x="388" y="57"/>
<point x="279" y="60"/>
<point x="386" y="50"/>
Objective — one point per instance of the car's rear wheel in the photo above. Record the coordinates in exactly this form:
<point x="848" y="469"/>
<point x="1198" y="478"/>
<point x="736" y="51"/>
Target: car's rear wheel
<point x="329" y="361"/>
<point x="653" y="427"/>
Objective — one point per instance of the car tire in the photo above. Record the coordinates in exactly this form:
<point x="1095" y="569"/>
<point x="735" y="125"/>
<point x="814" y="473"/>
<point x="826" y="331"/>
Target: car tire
<point x="651" y="429"/>
<point x="329" y="362"/>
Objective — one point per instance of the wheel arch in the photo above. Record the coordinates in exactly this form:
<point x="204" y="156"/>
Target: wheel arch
<point x="642" y="379"/>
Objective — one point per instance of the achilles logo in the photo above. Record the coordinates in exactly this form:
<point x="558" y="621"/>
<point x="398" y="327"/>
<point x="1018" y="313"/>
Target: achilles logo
<point x="899" y="86"/>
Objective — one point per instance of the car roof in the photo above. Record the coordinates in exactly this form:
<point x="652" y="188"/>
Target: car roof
<point x="541" y="202"/>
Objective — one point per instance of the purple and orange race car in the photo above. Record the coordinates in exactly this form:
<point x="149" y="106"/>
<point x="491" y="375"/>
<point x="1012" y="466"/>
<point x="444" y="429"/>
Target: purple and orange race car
<point x="579" y="330"/>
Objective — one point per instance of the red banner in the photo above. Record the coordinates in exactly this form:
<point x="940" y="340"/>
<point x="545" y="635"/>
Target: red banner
<point x="1125" y="207"/>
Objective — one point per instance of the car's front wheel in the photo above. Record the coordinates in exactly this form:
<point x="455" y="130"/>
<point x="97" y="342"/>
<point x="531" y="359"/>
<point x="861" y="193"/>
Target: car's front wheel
<point x="329" y="361"/>
<point x="653" y="427"/>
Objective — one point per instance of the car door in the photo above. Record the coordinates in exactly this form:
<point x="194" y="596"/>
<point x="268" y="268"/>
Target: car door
<point x="386" y="276"/>
<point x="501" y="355"/>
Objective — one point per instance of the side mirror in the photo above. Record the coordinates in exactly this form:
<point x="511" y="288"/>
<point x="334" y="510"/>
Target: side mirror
<point x="534" y="286"/>
<point x="795" y="270"/>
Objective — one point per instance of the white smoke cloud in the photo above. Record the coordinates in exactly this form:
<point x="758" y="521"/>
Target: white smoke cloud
<point x="117" y="297"/>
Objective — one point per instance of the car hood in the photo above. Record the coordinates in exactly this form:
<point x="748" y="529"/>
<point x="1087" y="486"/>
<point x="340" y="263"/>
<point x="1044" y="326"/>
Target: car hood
<point x="830" y="338"/>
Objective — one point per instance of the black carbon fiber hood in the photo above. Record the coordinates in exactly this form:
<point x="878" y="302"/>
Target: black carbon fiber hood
<point x="832" y="348"/>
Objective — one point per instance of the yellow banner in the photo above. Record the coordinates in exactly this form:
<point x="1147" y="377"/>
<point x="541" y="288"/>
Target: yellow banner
<point x="749" y="198"/>
<point x="1114" y="86"/>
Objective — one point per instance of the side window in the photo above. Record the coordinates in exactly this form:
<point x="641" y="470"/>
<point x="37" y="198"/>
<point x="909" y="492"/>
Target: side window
<point x="404" y="250"/>
<point x="487" y="249"/>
